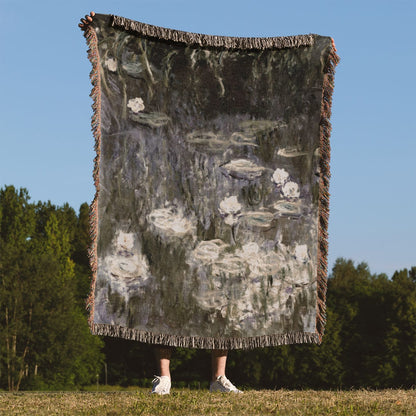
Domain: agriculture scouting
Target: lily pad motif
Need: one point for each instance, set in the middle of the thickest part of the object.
(257, 127)
(239, 138)
(134, 69)
(170, 221)
(243, 169)
(291, 152)
(150, 119)
(261, 219)
(208, 251)
(286, 208)
(208, 140)
(230, 265)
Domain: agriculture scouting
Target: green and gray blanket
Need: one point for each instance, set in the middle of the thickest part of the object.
(212, 173)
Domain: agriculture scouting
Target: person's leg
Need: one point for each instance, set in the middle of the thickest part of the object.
(162, 383)
(163, 355)
(219, 381)
(218, 363)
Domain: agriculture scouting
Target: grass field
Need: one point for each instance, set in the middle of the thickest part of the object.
(201, 402)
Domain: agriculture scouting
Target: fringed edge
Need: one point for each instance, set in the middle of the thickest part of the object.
(204, 342)
(93, 56)
(227, 42)
(325, 133)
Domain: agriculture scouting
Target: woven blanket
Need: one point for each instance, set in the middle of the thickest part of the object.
(209, 224)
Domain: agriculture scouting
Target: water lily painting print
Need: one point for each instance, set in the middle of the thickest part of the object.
(212, 173)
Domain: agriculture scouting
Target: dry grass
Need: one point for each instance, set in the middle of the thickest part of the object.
(199, 402)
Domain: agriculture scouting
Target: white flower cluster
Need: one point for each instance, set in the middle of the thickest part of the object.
(289, 189)
(230, 209)
(111, 64)
(301, 253)
(126, 262)
(136, 104)
(124, 241)
(280, 176)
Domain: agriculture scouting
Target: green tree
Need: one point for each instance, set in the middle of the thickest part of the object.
(363, 303)
(80, 243)
(44, 336)
(320, 366)
(63, 354)
(400, 365)
(17, 225)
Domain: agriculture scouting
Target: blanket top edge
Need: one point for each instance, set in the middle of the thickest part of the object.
(220, 41)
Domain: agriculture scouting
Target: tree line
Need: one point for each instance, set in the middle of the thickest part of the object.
(45, 342)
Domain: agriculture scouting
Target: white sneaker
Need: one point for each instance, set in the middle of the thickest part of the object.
(161, 385)
(223, 385)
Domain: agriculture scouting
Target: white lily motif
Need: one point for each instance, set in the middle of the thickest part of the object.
(301, 253)
(280, 176)
(230, 209)
(291, 190)
(111, 64)
(136, 104)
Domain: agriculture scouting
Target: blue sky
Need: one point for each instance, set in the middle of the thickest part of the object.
(47, 146)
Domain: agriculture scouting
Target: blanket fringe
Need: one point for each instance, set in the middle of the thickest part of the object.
(94, 57)
(325, 133)
(227, 42)
(205, 342)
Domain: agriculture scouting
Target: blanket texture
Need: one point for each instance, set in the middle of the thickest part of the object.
(209, 224)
